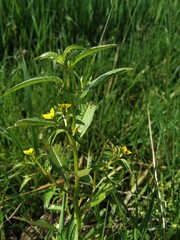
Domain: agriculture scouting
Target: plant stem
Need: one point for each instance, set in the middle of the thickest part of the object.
(76, 183)
(98, 160)
(76, 186)
(61, 220)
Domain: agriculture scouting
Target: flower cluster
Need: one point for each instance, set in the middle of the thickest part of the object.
(65, 106)
(51, 114)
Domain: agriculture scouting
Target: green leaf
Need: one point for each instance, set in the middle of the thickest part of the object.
(51, 55)
(25, 181)
(71, 48)
(55, 207)
(54, 135)
(83, 172)
(44, 224)
(60, 59)
(47, 55)
(33, 122)
(56, 162)
(54, 158)
(72, 232)
(86, 119)
(48, 195)
(125, 164)
(101, 194)
(39, 223)
(31, 82)
(87, 179)
(89, 52)
(103, 77)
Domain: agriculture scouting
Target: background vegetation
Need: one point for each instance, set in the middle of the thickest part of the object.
(147, 38)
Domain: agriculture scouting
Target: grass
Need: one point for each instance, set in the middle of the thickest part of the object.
(138, 205)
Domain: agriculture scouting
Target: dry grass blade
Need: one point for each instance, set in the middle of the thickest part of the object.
(155, 172)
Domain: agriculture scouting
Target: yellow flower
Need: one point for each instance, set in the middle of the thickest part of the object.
(29, 151)
(49, 115)
(125, 150)
(65, 105)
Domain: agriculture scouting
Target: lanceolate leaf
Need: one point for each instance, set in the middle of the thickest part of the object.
(44, 224)
(71, 48)
(40, 223)
(31, 82)
(103, 77)
(53, 156)
(33, 122)
(125, 164)
(56, 161)
(84, 172)
(47, 55)
(89, 52)
(52, 55)
(86, 119)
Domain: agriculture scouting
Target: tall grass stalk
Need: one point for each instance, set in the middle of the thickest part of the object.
(156, 174)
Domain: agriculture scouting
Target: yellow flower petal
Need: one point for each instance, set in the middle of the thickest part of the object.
(67, 105)
(29, 151)
(49, 115)
(52, 112)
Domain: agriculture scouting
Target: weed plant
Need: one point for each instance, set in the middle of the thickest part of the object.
(139, 109)
(71, 119)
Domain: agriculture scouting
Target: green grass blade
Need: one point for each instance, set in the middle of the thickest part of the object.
(72, 232)
(105, 222)
(145, 221)
(62, 215)
(15, 137)
(2, 226)
(31, 82)
(89, 52)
